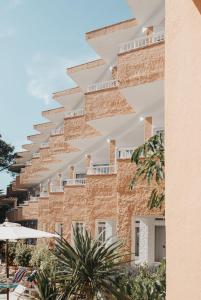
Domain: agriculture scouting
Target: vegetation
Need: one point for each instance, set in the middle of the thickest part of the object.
(150, 161)
(87, 271)
(46, 287)
(7, 155)
(42, 258)
(144, 283)
(23, 253)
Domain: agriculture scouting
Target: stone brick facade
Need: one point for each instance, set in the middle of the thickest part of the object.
(104, 197)
(141, 66)
(105, 103)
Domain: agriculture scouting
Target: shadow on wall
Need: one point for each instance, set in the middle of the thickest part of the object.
(198, 4)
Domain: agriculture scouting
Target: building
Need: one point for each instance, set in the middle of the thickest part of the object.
(183, 155)
(77, 169)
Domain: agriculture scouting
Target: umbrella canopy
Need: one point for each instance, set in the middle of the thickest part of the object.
(14, 231)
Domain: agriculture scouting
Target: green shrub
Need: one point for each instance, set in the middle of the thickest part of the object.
(11, 253)
(42, 258)
(23, 253)
(144, 283)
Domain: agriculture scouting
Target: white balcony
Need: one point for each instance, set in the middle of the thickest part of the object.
(74, 113)
(142, 42)
(44, 145)
(28, 163)
(36, 155)
(102, 85)
(56, 189)
(75, 181)
(57, 131)
(44, 194)
(124, 153)
(102, 170)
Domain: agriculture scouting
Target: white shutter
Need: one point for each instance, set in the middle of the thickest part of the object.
(110, 231)
(58, 228)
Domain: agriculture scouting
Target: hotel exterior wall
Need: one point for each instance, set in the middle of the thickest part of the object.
(141, 66)
(183, 144)
(103, 197)
(131, 203)
(76, 127)
(105, 103)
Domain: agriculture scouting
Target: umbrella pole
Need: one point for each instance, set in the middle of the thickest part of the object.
(7, 269)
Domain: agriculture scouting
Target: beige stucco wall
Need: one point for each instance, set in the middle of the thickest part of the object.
(183, 149)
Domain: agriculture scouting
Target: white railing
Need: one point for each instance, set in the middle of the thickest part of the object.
(57, 131)
(102, 170)
(29, 163)
(102, 85)
(44, 145)
(33, 199)
(56, 189)
(44, 194)
(142, 42)
(75, 181)
(124, 153)
(74, 113)
(36, 155)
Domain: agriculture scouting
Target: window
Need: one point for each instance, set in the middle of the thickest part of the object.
(81, 175)
(102, 231)
(106, 231)
(58, 228)
(137, 240)
(79, 226)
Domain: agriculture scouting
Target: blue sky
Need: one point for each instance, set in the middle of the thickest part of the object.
(38, 40)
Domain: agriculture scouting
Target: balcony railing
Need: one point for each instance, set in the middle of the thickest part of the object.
(44, 194)
(102, 170)
(36, 155)
(44, 145)
(102, 85)
(142, 42)
(33, 199)
(124, 153)
(56, 189)
(57, 131)
(74, 113)
(29, 163)
(75, 181)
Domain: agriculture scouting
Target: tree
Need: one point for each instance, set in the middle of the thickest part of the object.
(150, 161)
(87, 271)
(7, 155)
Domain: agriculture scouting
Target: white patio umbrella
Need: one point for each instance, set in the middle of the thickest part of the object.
(14, 231)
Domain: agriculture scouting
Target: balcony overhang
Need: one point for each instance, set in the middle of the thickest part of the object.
(88, 73)
(148, 12)
(54, 115)
(69, 98)
(31, 147)
(105, 41)
(44, 127)
(142, 97)
(38, 138)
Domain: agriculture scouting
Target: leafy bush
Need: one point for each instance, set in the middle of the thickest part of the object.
(11, 253)
(23, 253)
(42, 258)
(144, 283)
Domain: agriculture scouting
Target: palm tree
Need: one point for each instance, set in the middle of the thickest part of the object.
(150, 161)
(87, 270)
(46, 287)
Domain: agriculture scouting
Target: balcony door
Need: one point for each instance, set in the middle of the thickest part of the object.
(160, 243)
